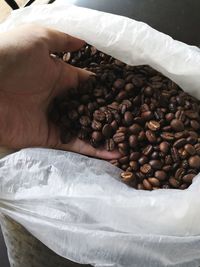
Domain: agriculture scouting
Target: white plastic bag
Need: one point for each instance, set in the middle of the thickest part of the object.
(76, 205)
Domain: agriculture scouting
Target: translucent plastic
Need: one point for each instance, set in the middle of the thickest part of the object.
(76, 205)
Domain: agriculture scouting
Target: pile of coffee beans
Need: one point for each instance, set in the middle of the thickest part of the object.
(153, 123)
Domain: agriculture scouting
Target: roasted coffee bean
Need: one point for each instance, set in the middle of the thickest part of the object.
(156, 164)
(146, 168)
(195, 125)
(164, 147)
(191, 114)
(142, 160)
(124, 160)
(167, 168)
(127, 177)
(133, 140)
(85, 121)
(135, 155)
(154, 181)
(160, 175)
(188, 178)
(119, 84)
(97, 136)
(134, 165)
(169, 116)
(141, 136)
(99, 115)
(151, 137)
(114, 125)
(175, 155)
(147, 185)
(135, 128)
(177, 125)
(180, 135)
(197, 148)
(174, 183)
(147, 115)
(119, 137)
(180, 143)
(194, 162)
(190, 149)
(110, 145)
(167, 136)
(153, 125)
(96, 125)
(147, 150)
(155, 155)
(107, 130)
(128, 117)
(129, 87)
(179, 173)
(192, 140)
(183, 186)
(148, 91)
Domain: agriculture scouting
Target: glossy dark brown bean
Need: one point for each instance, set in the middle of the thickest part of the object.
(153, 125)
(127, 177)
(180, 143)
(119, 137)
(128, 117)
(194, 162)
(164, 147)
(188, 178)
(156, 164)
(146, 168)
(147, 185)
(133, 140)
(135, 128)
(151, 137)
(190, 149)
(160, 175)
(177, 125)
(154, 181)
(107, 130)
(110, 144)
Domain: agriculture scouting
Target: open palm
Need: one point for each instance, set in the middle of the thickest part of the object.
(29, 79)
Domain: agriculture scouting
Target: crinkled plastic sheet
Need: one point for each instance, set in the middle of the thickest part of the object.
(128, 40)
(76, 205)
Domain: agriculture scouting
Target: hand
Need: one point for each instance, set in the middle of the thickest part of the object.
(29, 79)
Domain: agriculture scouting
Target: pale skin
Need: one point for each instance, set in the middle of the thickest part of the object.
(29, 79)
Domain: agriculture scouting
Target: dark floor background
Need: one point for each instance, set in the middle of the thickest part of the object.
(178, 18)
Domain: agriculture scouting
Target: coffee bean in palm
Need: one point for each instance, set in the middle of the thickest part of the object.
(99, 115)
(119, 137)
(97, 136)
(107, 130)
(110, 144)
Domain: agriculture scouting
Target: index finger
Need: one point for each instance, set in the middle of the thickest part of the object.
(61, 42)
